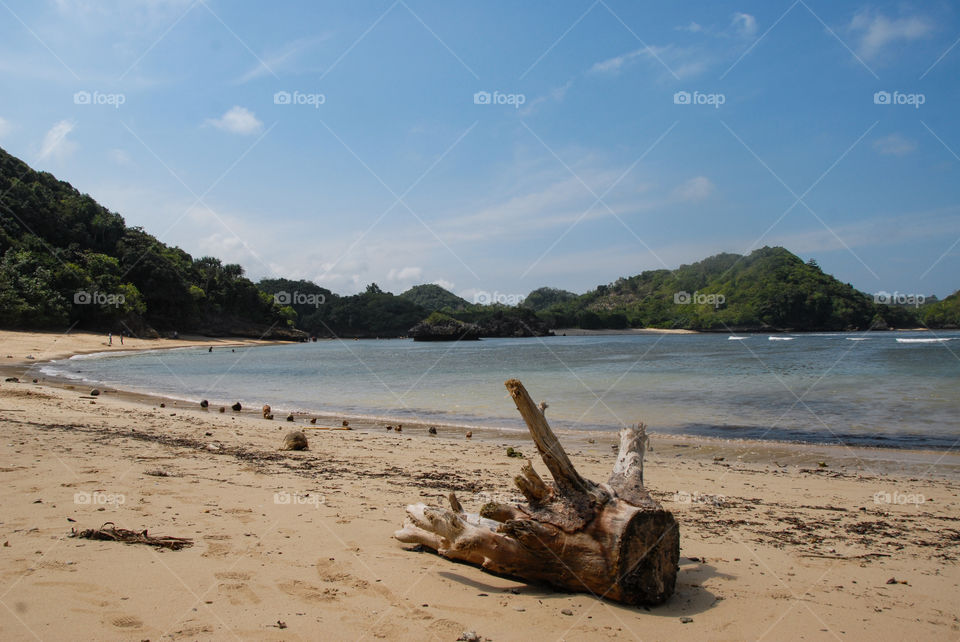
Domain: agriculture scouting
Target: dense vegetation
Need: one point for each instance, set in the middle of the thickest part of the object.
(433, 297)
(66, 261)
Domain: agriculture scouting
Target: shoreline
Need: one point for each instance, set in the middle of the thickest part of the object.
(848, 459)
(289, 545)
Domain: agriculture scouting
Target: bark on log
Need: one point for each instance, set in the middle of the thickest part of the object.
(612, 540)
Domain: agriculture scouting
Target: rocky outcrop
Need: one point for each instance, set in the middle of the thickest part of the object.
(445, 329)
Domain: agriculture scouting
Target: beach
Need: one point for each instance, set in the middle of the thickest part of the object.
(777, 541)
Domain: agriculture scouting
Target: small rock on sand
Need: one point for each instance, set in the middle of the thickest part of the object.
(289, 417)
(294, 440)
(94, 392)
(204, 403)
(237, 407)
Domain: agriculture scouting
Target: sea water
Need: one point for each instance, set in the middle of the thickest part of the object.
(818, 388)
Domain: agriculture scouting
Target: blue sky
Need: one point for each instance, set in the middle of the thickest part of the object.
(618, 136)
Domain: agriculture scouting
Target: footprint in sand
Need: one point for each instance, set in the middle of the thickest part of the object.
(308, 592)
(245, 515)
(332, 571)
(232, 575)
(126, 622)
(238, 593)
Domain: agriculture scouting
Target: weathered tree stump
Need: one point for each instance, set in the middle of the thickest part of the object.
(612, 540)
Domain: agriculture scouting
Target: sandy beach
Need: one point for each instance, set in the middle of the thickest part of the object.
(299, 545)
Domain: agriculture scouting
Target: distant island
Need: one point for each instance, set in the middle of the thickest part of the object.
(66, 261)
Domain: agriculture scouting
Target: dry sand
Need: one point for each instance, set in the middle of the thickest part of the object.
(303, 540)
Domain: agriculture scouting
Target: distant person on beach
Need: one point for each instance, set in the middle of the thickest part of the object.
(121, 338)
(210, 349)
(109, 338)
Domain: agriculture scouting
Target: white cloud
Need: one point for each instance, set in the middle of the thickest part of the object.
(55, 142)
(745, 24)
(695, 189)
(693, 27)
(237, 120)
(272, 63)
(404, 274)
(877, 31)
(443, 283)
(119, 156)
(894, 145)
(557, 94)
(5, 127)
(614, 65)
(684, 62)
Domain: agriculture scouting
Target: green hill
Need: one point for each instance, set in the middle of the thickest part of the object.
(770, 288)
(543, 298)
(433, 298)
(67, 261)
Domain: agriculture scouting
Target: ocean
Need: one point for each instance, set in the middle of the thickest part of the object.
(896, 390)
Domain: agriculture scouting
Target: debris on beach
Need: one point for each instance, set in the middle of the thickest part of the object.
(237, 407)
(432, 430)
(12, 380)
(290, 417)
(469, 434)
(204, 404)
(613, 539)
(95, 392)
(294, 440)
(110, 532)
(266, 409)
(513, 452)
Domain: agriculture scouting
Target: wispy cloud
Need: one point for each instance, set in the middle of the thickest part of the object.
(695, 189)
(876, 31)
(237, 120)
(894, 145)
(685, 62)
(693, 27)
(279, 61)
(556, 95)
(744, 24)
(55, 143)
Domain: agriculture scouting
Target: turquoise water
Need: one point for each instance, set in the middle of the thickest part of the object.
(863, 389)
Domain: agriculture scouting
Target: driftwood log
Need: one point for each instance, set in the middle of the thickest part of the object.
(612, 540)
